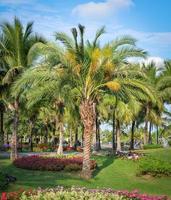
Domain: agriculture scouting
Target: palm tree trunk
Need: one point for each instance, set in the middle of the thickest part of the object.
(1, 127)
(157, 134)
(132, 135)
(14, 153)
(60, 148)
(70, 137)
(76, 138)
(98, 144)
(46, 134)
(118, 133)
(31, 135)
(95, 129)
(146, 126)
(87, 117)
(149, 134)
(113, 134)
(145, 132)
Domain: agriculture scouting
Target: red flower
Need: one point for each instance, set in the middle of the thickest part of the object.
(4, 196)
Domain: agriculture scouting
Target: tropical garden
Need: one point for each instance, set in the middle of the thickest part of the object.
(56, 100)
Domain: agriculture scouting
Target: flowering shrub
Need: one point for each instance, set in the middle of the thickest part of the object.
(17, 194)
(60, 193)
(49, 163)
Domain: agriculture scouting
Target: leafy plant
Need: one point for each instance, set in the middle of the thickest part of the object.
(153, 166)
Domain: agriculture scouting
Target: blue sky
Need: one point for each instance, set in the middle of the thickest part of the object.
(146, 20)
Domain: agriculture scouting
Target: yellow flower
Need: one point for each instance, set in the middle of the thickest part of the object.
(107, 51)
(113, 85)
(96, 54)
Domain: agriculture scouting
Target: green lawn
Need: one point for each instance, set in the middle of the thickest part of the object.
(112, 173)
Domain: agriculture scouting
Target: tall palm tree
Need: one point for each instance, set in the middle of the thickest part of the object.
(153, 110)
(85, 70)
(92, 69)
(15, 45)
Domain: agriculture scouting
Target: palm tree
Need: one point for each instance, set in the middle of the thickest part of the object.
(90, 70)
(86, 70)
(15, 45)
(2, 109)
(153, 110)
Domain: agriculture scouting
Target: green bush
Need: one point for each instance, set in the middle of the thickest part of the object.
(153, 166)
(152, 146)
(169, 142)
(3, 182)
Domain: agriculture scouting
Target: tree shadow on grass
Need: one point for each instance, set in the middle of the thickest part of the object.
(105, 161)
(45, 179)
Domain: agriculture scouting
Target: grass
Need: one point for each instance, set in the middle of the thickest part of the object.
(112, 173)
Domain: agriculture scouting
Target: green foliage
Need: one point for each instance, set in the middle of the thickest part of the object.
(154, 166)
(152, 146)
(3, 182)
(169, 142)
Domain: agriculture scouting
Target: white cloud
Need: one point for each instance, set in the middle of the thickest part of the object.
(100, 9)
(158, 61)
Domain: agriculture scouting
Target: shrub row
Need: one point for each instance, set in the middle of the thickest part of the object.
(153, 166)
(152, 146)
(60, 193)
(50, 163)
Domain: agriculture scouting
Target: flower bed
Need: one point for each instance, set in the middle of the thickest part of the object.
(60, 193)
(50, 163)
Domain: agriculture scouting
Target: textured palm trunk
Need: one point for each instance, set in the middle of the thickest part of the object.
(14, 152)
(118, 133)
(87, 117)
(132, 135)
(1, 127)
(60, 148)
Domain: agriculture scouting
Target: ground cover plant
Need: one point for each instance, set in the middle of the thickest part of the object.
(61, 193)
